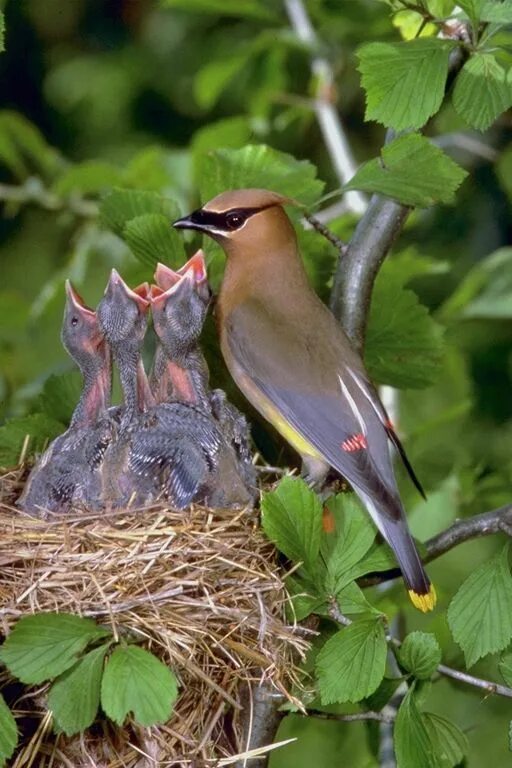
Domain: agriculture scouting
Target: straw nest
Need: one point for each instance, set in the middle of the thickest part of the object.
(202, 590)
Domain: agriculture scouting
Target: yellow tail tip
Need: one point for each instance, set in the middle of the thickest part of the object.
(424, 602)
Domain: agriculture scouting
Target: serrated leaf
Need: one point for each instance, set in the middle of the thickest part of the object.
(404, 345)
(497, 11)
(237, 8)
(39, 427)
(74, 697)
(480, 614)
(481, 91)
(412, 171)
(505, 667)
(304, 598)
(404, 82)
(122, 205)
(45, 645)
(291, 516)
(486, 290)
(258, 165)
(90, 177)
(8, 732)
(420, 654)
(412, 741)
(354, 535)
(351, 601)
(136, 681)
(449, 743)
(151, 239)
(383, 694)
(351, 664)
(60, 395)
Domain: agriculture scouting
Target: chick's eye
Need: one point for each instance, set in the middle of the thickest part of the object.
(234, 220)
(74, 321)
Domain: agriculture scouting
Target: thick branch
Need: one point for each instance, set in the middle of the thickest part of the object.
(261, 718)
(353, 283)
(328, 119)
(496, 521)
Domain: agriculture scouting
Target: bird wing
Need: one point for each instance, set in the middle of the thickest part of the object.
(296, 376)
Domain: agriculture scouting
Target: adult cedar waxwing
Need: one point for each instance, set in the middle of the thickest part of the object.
(294, 363)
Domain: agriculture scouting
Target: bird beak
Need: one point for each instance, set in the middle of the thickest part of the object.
(198, 266)
(165, 276)
(76, 302)
(117, 286)
(192, 221)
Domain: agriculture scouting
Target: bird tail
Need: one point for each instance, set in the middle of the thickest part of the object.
(396, 532)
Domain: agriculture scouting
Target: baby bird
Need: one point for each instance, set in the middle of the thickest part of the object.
(122, 317)
(66, 472)
(179, 304)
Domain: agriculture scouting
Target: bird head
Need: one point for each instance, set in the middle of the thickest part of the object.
(165, 277)
(80, 334)
(241, 219)
(122, 311)
(179, 312)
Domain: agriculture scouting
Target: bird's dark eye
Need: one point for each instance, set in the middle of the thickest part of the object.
(74, 320)
(234, 220)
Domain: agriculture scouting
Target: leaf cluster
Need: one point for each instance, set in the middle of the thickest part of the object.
(87, 668)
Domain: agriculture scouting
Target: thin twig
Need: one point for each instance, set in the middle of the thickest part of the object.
(380, 717)
(33, 190)
(455, 674)
(328, 119)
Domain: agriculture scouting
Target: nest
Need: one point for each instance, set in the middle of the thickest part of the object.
(201, 589)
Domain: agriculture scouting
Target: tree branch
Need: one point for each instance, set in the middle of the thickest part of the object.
(380, 717)
(497, 521)
(34, 191)
(353, 283)
(328, 119)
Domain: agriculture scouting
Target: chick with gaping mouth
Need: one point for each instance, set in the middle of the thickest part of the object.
(67, 473)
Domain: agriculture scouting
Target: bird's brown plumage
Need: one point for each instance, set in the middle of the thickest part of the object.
(292, 360)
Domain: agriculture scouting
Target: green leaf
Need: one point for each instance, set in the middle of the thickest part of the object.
(404, 82)
(257, 165)
(355, 534)
(304, 598)
(412, 741)
(60, 395)
(383, 694)
(136, 681)
(292, 519)
(450, 744)
(351, 664)
(480, 614)
(505, 666)
(473, 9)
(39, 427)
(237, 8)
(151, 239)
(90, 177)
(8, 732)
(351, 601)
(74, 697)
(122, 205)
(486, 290)
(411, 170)
(214, 77)
(481, 91)
(2, 48)
(404, 345)
(497, 12)
(20, 140)
(420, 654)
(44, 645)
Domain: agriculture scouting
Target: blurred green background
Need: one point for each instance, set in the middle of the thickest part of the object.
(136, 93)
